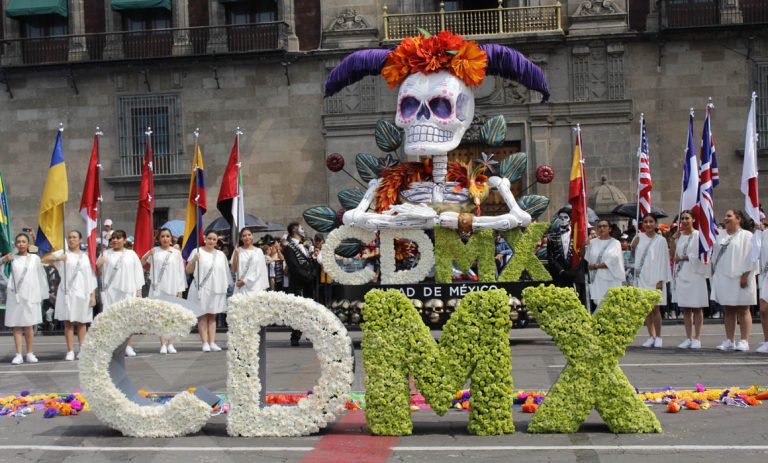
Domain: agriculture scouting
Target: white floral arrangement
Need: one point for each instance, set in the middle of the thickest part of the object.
(182, 415)
(333, 269)
(415, 275)
(247, 314)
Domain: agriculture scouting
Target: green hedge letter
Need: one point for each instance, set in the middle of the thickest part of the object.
(525, 258)
(592, 347)
(474, 344)
(449, 248)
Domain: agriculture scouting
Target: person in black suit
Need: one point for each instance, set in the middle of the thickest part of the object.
(302, 269)
(560, 257)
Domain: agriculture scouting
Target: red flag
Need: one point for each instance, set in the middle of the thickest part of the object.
(230, 200)
(142, 236)
(577, 198)
(90, 203)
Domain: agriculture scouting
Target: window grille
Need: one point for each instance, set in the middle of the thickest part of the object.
(761, 108)
(616, 76)
(163, 114)
(581, 77)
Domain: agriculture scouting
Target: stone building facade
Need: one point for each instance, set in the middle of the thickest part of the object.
(260, 65)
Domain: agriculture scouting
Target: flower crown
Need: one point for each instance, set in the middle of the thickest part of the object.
(428, 53)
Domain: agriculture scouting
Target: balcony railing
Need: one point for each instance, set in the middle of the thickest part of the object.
(159, 43)
(473, 23)
(680, 14)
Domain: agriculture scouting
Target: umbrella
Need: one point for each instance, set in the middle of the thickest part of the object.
(176, 227)
(221, 225)
(591, 215)
(630, 210)
(274, 226)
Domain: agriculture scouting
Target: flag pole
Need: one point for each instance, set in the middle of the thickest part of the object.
(235, 229)
(64, 232)
(99, 202)
(637, 192)
(197, 207)
(151, 188)
(582, 166)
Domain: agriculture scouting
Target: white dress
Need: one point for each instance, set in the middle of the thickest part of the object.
(122, 277)
(166, 273)
(607, 252)
(653, 255)
(27, 288)
(210, 291)
(73, 299)
(730, 260)
(252, 269)
(763, 278)
(690, 280)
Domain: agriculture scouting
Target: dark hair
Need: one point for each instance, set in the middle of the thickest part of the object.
(602, 220)
(209, 232)
(119, 234)
(159, 232)
(269, 240)
(648, 214)
(243, 231)
(292, 227)
(745, 221)
(685, 211)
(79, 235)
(319, 237)
(20, 235)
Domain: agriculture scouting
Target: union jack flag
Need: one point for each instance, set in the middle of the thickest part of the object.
(644, 183)
(709, 178)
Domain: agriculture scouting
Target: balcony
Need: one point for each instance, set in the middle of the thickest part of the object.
(475, 23)
(683, 14)
(132, 45)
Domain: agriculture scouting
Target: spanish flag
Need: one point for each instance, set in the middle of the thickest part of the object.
(577, 198)
(196, 206)
(50, 232)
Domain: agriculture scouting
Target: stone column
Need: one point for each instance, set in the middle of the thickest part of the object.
(12, 53)
(181, 42)
(217, 34)
(77, 46)
(285, 13)
(113, 46)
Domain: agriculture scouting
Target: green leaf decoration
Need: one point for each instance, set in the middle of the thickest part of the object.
(425, 32)
(349, 247)
(513, 166)
(494, 130)
(533, 204)
(367, 166)
(388, 136)
(350, 197)
(321, 218)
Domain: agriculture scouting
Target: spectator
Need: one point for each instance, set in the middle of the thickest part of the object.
(106, 234)
(302, 267)
(503, 252)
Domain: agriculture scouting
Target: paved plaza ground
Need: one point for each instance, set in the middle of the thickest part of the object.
(736, 434)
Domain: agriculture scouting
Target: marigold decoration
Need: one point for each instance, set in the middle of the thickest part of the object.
(673, 407)
(395, 179)
(427, 53)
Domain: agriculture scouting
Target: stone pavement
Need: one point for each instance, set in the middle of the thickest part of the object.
(718, 433)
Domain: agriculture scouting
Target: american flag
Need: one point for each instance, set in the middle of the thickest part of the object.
(708, 180)
(644, 183)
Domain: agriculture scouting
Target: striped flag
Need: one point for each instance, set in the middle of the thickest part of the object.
(230, 200)
(705, 209)
(577, 198)
(749, 177)
(644, 183)
(196, 206)
(89, 204)
(690, 192)
(50, 232)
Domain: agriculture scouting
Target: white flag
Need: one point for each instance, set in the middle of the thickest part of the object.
(749, 177)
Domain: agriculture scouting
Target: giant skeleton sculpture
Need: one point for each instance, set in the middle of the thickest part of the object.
(435, 107)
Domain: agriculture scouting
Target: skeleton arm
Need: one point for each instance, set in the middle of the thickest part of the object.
(398, 216)
(516, 217)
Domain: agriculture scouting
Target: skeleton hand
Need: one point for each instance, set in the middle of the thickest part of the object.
(408, 216)
(516, 217)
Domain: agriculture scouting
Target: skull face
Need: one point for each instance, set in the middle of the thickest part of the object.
(434, 110)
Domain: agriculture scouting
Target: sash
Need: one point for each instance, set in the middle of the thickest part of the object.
(639, 269)
(247, 266)
(208, 274)
(71, 281)
(679, 265)
(19, 282)
(723, 249)
(162, 271)
(599, 261)
(115, 269)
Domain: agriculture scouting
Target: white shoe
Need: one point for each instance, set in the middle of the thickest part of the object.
(129, 352)
(695, 344)
(215, 347)
(206, 347)
(78, 354)
(685, 344)
(649, 342)
(763, 349)
(70, 356)
(726, 345)
(171, 349)
(163, 349)
(17, 360)
(657, 342)
(31, 357)
(742, 346)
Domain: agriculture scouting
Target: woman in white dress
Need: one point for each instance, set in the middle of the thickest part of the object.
(733, 279)
(76, 295)
(606, 263)
(27, 288)
(212, 277)
(122, 275)
(166, 275)
(763, 287)
(250, 266)
(651, 253)
(690, 281)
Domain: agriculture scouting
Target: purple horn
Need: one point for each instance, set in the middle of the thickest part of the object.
(354, 67)
(511, 64)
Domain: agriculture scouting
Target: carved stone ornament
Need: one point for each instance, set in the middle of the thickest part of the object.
(597, 8)
(348, 20)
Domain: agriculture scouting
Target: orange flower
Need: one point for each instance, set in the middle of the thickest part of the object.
(429, 57)
(469, 64)
(395, 69)
(450, 41)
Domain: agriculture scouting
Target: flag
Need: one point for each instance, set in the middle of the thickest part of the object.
(705, 208)
(690, 192)
(50, 231)
(230, 200)
(577, 198)
(196, 206)
(749, 177)
(89, 204)
(6, 236)
(143, 238)
(644, 183)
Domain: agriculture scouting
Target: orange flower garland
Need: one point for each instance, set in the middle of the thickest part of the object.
(427, 53)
